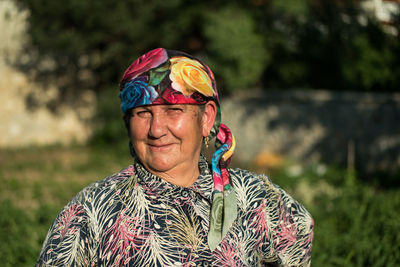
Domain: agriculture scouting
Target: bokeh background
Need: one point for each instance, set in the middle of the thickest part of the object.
(310, 88)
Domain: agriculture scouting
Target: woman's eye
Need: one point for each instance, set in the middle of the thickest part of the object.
(144, 114)
(175, 110)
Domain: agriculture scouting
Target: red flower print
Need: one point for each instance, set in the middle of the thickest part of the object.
(171, 96)
(146, 62)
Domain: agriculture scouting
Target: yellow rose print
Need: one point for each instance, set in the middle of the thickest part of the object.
(188, 75)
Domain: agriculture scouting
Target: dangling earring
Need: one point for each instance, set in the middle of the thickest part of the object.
(206, 142)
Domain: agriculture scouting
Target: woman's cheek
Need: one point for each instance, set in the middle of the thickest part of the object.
(139, 128)
(178, 123)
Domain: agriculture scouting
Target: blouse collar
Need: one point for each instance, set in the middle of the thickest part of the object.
(158, 186)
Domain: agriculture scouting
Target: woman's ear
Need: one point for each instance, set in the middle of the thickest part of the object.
(210, 112)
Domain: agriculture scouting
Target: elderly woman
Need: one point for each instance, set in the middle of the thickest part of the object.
(171, 207)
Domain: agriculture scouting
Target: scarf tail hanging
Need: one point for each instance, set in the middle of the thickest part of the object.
(224, 206)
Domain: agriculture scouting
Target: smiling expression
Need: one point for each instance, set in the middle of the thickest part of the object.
(167, 139)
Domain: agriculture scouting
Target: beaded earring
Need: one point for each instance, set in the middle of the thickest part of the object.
(206, 142)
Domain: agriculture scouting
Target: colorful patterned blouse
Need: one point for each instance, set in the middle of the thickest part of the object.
(134, 218)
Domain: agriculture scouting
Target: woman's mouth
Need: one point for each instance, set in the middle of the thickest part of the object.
(160, 147)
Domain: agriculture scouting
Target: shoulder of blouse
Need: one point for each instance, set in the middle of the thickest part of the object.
(104, 187)
(289, 223)
(251, 187)
(247, 178)
(75, 222)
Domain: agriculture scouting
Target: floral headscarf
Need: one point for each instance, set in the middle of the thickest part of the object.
(171, 77)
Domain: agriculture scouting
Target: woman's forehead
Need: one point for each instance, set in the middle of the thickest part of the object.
(166, 106)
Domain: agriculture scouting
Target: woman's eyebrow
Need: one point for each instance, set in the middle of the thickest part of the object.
(176, 106)
(144, 108)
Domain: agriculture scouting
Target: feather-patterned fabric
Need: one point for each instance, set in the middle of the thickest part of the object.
(134, 218)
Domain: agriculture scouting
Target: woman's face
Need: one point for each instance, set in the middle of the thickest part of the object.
(167, 139)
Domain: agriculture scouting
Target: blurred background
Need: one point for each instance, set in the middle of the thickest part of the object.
(310, 89)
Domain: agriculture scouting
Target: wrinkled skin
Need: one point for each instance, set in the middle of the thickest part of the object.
(167, 139)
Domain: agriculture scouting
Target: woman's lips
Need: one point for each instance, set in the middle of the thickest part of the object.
(160, 147)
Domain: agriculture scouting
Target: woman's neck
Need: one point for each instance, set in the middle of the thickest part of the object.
(183, 176)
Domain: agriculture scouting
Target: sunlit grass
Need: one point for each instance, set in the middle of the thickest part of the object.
(54, 174)
(355, 223)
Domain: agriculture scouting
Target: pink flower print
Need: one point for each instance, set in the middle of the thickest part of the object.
(227, 255)
(150, 60)
(259, 219)
(68, 217)
(125, 234)
(128, 171)
(287, 233)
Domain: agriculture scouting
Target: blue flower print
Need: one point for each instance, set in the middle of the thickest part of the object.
(137, 93)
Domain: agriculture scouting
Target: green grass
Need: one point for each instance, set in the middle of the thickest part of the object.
(356, 224)
(35, 184)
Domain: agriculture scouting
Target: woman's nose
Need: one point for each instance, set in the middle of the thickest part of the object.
(158, 125)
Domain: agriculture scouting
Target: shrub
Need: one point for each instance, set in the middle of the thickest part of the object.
(359, 227)
(17, 236)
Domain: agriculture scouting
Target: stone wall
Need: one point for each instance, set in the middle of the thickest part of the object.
(270, 127)
(20, 125)
(308, 126)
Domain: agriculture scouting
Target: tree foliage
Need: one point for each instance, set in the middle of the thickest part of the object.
(270, 44)
(236, 50)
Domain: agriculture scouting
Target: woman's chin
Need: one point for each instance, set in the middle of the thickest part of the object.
(160, 165)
